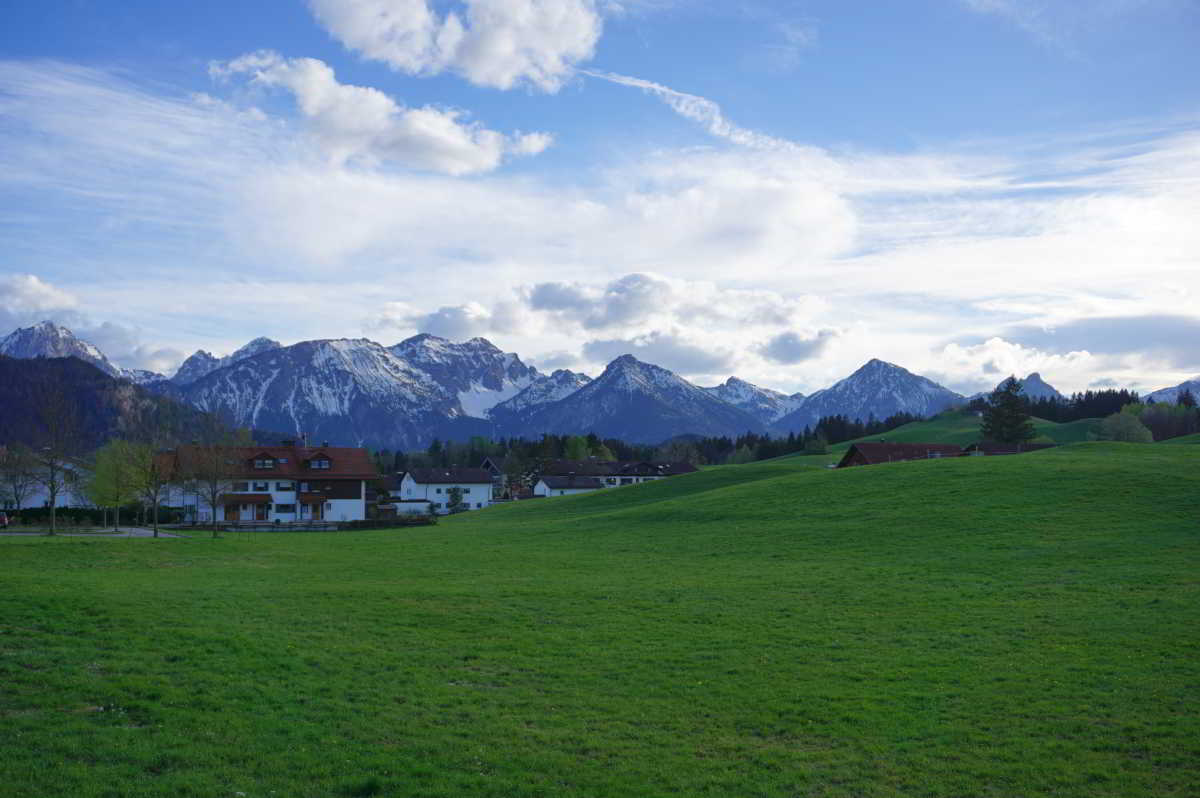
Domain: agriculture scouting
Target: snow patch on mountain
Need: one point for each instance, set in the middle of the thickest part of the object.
(1171, 395)
(480, 375)
(202, 363)
(764, 403)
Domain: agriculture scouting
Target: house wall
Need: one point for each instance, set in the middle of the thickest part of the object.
(334, 509)
(476, 495)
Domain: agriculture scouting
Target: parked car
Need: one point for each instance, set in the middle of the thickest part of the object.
(3, 520)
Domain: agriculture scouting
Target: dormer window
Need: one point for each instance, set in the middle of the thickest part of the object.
(264, 462)
(320, 462)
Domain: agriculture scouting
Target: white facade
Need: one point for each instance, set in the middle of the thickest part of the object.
(475, 495)
(266, 500)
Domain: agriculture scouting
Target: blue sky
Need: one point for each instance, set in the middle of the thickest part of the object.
(777, 190)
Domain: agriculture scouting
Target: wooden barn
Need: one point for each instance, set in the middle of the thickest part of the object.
(884, 452)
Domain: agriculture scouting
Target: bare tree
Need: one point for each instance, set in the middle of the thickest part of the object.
(16, 474)
(211, 463)
(151, 471)
(57, 432)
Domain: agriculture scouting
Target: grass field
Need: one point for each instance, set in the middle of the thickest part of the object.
(1009, 626)
(1184, 439)
(963, 429)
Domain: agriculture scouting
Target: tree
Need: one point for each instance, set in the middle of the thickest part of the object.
(454, 499)
(1125, 427)
(816, 445)
(57, 430)
(679, 451)
(151, 473)
(16, 475)
(112, 480)
(1186, 398)
(577, 448)
(1006, 417)
(211, 463)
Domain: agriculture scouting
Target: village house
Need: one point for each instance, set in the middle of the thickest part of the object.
(566, 486)
(874, 453)
(614, 474)
(286, 483)
(434, 485)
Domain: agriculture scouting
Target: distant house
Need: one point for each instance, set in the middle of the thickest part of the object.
(885, 452)
(434, 485)
(615, 473)
(285, 483)
(991, 448)
(566, 486)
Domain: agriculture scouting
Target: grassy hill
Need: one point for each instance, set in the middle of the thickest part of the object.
(968, 627)
(1184, 439)
(963, 429)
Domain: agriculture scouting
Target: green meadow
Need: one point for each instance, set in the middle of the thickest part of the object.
(1008, 626)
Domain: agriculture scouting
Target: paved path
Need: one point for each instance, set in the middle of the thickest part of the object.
(122, 532)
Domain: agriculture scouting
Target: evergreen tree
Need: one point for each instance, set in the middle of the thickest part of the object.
(1185, 398)
(1006, 418)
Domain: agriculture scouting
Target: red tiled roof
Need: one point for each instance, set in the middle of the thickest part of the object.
(344, 462)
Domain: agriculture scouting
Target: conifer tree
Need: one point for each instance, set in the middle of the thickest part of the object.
(1006, 418)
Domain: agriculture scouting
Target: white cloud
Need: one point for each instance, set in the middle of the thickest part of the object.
(749, 241)
(494, 43)
(361, 122)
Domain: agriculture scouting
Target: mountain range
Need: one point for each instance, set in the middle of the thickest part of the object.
(356, 391)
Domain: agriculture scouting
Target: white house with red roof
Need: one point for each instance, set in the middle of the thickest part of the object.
(284, 483)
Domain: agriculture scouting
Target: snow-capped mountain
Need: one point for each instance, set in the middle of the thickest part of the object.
(202, 363)
(765, 404)
(544, 389)
(1033, 386)
(877, 389)
(351, 391)
(47, 339)
(476, 371)
(1171, 395)
(643, 403)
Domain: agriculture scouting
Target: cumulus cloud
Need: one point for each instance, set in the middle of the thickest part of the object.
(455, 322)
(790, 347)
(494, 43)
(667, 349)
(640, 299)
(361, 122)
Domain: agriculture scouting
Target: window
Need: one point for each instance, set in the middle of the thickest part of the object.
(437, 490)
(304, 487)
(438, 505)
(285, 486)
(241, 487)
(262, 485)
(285, 508)
(321, 463)
(264, 462)
(466, 491)
(282, 461)
(478, 505)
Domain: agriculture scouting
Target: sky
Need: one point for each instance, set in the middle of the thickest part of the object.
(778, 190)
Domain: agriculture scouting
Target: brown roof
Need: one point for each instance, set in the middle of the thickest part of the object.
(448, 476)
(345, 462)
(873, 453)
(615, 468)
(576, 482)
